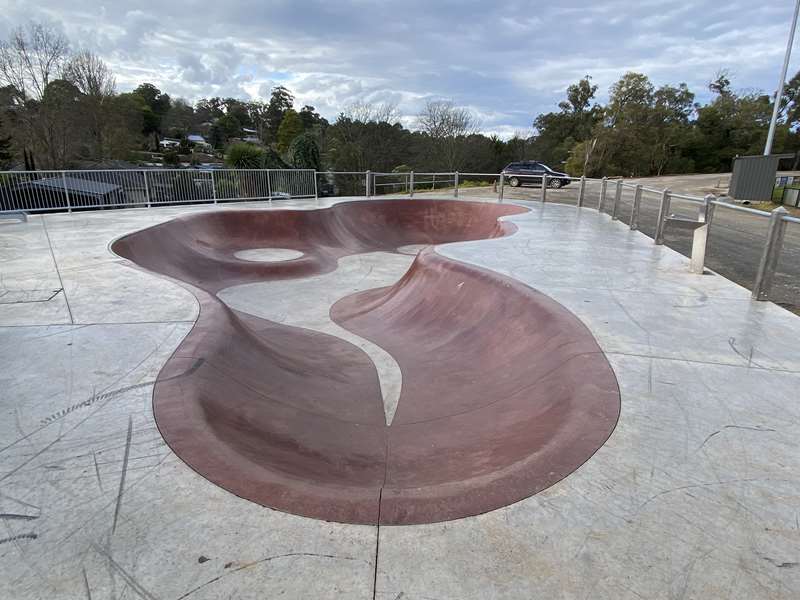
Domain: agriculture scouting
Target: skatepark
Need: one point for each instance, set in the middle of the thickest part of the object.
(407, 398)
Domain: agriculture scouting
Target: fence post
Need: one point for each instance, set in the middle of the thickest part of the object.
(544, 188)
(455, 189)
(146, 188)
(581, 191)
(707, 211)
(637, 201)
(269, 187)
(769, 257)
(602, 203)
(663, 211)
(411, 183)
(66, 191)
(316, 192)
(214, 186)
(502, 184)
(617, 198)
(367, 190)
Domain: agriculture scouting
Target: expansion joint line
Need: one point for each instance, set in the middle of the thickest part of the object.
(58, 272)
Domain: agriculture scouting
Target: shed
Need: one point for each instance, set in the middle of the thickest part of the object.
(754, 177)
(60, 192)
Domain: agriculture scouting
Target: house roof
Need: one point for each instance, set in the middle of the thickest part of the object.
(76, 185)
(195, 138)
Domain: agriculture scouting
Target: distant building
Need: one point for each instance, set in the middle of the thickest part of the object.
(168, 143)
(198, 141)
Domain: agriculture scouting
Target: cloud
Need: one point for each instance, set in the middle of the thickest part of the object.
(507, 60)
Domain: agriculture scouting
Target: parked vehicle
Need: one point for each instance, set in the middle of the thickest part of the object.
(531, 172)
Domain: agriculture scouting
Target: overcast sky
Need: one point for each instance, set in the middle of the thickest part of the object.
(507, 61)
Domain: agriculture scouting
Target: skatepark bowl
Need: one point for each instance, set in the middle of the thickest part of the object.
(448, 392)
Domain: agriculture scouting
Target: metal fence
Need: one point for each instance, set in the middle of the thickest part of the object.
(37, 191)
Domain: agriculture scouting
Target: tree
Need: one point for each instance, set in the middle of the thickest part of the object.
(31, 58)
(311, 118)
(304, 152)
(87, 72)
(447, 125)
(291, 127)
(158, 105)
(59, 132)
(558, 132)
(227, 126)
(95, 81)
(280, 101)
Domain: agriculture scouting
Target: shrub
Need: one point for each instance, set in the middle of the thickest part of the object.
(242, 155)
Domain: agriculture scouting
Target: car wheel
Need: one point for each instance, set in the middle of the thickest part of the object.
(556, 183)
(514, 182)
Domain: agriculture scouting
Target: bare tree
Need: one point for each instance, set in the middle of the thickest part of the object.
(448, 126)
(95, 81)
(368, 112)
(87, 71)
(32, 57)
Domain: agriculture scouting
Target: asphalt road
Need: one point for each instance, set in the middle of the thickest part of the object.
(736, 239)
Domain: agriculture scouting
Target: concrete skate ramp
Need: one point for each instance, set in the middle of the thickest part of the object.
(504, 392)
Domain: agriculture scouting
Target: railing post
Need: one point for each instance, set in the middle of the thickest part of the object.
(544, 188)
(770, 255)
(411, 183)
(699, 243)
(146, 189)
(269, 187)
(581, 191)
(707, 210)
(617, 198)
(603, 187)
(637, 201)
(66, 191)
(455, 189)
(663, 211)
(502, 185)
(367, 190)
(700, 236)
(316, 192)
(214, 186)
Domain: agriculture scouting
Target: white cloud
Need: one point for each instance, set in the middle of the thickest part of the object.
(507, 60)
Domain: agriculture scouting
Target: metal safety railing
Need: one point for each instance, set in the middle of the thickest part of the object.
(24, 192)
(39, 191)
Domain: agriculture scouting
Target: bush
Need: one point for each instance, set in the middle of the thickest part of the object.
(171, 158)
(242, 155)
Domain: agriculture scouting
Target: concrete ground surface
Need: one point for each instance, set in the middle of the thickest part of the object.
(695, 495)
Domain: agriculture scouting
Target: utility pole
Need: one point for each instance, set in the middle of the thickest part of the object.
(781, 83)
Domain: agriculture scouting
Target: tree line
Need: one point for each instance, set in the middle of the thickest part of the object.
(59, 109)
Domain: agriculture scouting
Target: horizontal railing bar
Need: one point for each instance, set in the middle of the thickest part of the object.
(744, 209)
(685, 197)
(341, 172)
(791, 219)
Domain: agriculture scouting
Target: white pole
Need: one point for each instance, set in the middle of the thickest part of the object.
(779, 93)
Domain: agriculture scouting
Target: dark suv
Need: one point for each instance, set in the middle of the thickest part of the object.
(531, 171)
